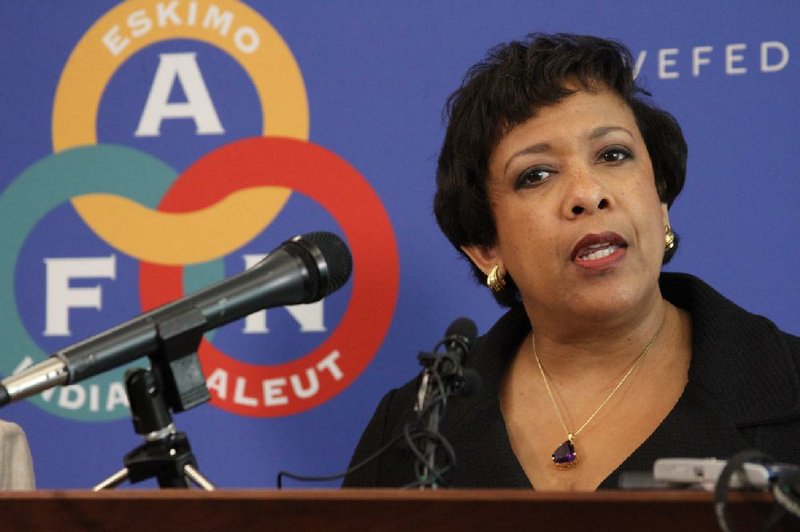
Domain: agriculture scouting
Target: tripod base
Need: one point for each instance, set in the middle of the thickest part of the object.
(122, 475)
(168, 459)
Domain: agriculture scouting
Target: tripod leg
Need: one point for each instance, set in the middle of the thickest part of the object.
(113, 481)
(198, 478)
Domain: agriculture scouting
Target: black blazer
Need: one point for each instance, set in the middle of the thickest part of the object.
(743, 393)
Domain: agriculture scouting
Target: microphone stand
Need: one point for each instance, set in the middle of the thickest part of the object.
(174, 381)
(440, 380)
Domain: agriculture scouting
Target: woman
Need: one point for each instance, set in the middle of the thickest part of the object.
(555, 180)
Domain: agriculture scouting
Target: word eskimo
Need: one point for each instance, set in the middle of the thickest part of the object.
(166, 14)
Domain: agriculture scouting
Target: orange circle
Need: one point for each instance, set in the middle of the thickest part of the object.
(136, 24)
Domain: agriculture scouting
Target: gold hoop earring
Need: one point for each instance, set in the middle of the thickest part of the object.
(669, 238)
(496, 279)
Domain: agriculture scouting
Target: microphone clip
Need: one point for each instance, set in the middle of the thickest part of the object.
(175, 360)
(443, 369)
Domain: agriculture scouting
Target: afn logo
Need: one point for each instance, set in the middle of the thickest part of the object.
(180, 157)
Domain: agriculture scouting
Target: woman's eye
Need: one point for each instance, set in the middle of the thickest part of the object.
(533, 176)
(615, 155)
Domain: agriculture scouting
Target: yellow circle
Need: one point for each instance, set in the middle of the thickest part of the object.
(133, 25)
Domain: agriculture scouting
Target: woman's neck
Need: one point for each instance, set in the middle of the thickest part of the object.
(575, 348)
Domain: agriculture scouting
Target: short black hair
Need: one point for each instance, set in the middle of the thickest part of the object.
(506, 89)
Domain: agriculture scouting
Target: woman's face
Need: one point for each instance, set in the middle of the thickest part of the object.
(580, 227)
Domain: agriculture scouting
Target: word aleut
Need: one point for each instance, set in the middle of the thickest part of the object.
(277, 391)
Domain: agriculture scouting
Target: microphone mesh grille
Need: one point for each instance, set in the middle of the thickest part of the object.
(337, 257)
(463, 327)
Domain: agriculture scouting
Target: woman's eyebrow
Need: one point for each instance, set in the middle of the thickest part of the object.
(541, 147)
(605, 130)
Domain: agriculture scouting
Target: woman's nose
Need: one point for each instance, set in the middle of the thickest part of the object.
(585, 195)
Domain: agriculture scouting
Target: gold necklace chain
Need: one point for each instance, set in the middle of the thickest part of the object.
(565, 456)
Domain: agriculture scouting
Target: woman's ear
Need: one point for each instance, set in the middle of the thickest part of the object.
(665, 214)
(484, 257)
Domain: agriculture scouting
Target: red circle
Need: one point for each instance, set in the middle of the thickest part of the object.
(340, 189)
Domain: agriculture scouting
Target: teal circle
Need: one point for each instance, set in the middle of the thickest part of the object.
(38, 190)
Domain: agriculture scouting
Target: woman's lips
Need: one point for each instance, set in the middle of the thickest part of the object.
(599, 251)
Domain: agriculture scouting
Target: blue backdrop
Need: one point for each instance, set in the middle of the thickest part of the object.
(362, 83)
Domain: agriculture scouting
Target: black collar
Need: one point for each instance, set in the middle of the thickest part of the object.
(742, 361)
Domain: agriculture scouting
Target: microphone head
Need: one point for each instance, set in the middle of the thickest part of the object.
(327, 260)
(463, 329)
(459, 338)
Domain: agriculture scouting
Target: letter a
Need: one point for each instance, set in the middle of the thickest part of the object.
(198, 106)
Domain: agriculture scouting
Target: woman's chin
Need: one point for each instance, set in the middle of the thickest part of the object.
(610, 304)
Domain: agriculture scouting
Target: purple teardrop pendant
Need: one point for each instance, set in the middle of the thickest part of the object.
(565, 456)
